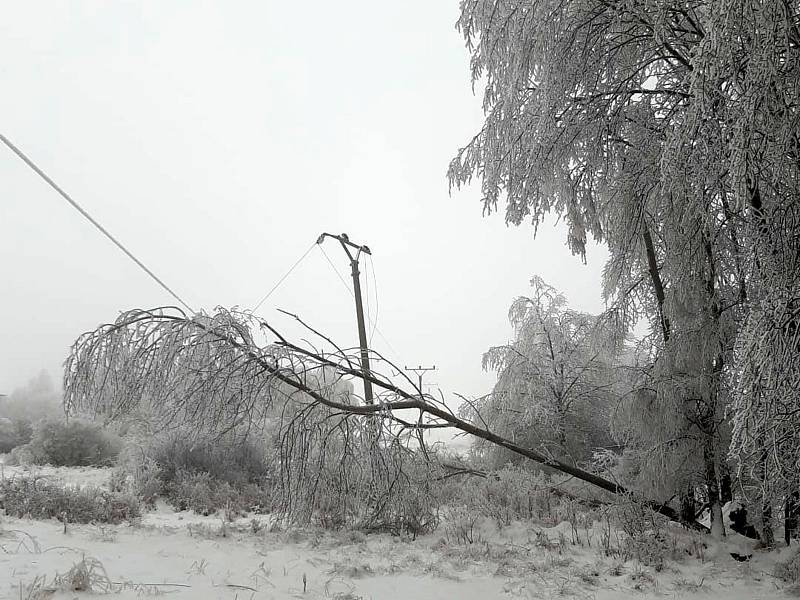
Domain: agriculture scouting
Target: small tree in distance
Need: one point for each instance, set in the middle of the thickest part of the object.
(554, 380)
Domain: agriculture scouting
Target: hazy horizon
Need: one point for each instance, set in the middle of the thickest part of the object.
(217, 144)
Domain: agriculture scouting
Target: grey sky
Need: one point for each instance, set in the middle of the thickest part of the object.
(218, 140)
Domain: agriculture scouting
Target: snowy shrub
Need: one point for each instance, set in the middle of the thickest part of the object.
(463, 526)
(23, 455)
(206, 495)
(39, 499)
(788, 571)
(234, 461)
(517, 494)
(73, 443)
(204, 476)
(14, 433)
(645, 536)
(513, 494)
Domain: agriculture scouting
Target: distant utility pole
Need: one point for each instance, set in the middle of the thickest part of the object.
(420, 371)
(347, 245)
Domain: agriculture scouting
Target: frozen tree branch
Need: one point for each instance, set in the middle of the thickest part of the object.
(209, 372)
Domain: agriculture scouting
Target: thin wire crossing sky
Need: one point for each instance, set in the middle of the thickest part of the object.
(217, 141)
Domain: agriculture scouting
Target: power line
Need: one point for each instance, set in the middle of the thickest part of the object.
(366, 298)
(333, 266)
(347, 287)
(375, 290)
(89, 218)
(280, 281)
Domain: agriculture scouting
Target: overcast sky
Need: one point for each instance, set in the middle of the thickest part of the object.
(218, 140)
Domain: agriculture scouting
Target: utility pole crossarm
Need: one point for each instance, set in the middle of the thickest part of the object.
(420, 371)
(344, 240)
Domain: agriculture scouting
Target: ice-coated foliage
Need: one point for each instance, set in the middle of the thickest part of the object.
(766, 407)
(554, 388)
(213, 378)
(73, 443)
(669, 131)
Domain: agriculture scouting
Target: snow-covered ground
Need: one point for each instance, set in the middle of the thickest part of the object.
(68, 476)
(190, 556)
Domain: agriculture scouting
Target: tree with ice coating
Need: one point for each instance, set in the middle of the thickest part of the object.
(668, 131)
(554, 379)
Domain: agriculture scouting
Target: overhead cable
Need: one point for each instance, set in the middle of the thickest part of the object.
(350, 291)
(281, 280)
(91, 219)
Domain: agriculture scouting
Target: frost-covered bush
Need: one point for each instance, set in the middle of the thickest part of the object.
(137, 473)
(788, 570)
(205, 495)
(73, 443)
(514, 494)
(200, 475)
(511, 494)
(234, 461)
(645, 535)
(14, 433)
(41, 499)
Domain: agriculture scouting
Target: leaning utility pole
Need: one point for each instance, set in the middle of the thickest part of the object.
(362, 331)
(420, 371)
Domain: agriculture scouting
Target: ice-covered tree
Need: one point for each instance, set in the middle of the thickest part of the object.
(554, 379)
(667, 130)
(766, 407)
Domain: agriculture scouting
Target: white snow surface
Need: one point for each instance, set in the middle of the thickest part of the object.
(188, 556)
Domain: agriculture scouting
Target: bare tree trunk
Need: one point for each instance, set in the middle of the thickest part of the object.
(712, 487)
(725, 485)
(791, 514)
(709, 424)
(767, 534)
(655, 279)
(688, 504)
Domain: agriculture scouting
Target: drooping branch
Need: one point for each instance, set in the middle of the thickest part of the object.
(208, 371)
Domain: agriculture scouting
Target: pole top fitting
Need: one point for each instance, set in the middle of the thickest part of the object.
(344, 240)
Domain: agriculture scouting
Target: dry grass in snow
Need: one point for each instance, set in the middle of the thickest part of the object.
(184, 555)
(97, 477)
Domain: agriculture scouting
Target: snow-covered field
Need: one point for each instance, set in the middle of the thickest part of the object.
(71, 476)
(189, 556)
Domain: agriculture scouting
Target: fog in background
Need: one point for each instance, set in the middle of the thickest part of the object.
(218, 140)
